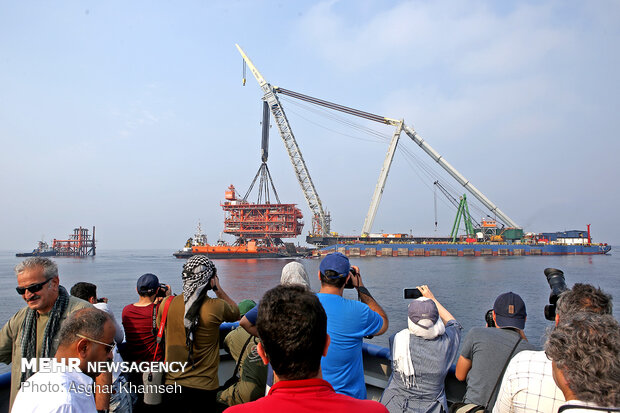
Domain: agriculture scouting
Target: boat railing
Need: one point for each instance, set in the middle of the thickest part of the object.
(377, 371)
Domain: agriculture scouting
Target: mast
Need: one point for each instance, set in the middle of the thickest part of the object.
(376, 197)
(294, 153)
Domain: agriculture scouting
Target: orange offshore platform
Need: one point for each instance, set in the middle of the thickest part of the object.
(259, 226)
(259, 229)
(79, 244)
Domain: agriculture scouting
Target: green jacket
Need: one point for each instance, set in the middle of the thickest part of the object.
(252, 371)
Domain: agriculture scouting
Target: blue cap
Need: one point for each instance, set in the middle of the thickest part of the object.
(148, 283)
(510, 311)
(336, 262)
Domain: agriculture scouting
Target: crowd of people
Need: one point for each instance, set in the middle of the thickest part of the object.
(297, 350)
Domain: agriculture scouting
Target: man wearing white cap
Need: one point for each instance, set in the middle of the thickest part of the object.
(422, 354)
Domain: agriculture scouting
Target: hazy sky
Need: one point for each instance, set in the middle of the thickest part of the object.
(131, 116)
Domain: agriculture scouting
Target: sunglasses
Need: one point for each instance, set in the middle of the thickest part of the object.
(109, 346)
(32, 288)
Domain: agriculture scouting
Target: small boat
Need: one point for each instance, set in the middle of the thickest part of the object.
(42, 250)
(250, 249)
(198, 245)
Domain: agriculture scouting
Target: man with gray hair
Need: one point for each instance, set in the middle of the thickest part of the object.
(585, 353)
(87, 336)
(528, 385)
(33, 331)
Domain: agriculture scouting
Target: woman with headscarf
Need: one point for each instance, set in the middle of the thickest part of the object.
(293, 273)
(192, 335)
(422, 354)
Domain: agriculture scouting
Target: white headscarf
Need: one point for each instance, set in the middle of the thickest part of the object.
(295, 273)
(402, 354)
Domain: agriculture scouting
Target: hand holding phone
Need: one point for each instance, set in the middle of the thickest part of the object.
(411, 293)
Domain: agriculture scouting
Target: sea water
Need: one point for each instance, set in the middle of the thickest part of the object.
(466, 286)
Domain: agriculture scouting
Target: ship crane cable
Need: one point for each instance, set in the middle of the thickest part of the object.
(379, 137)
(425, 172)
(263, 170)
(387, 163)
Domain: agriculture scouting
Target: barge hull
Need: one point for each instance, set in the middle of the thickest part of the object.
(233, 255)
(461, 250)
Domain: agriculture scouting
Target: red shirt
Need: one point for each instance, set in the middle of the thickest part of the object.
(140, 341)
(310, 395)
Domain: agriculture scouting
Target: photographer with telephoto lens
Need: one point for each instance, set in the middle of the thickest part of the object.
(528, 384)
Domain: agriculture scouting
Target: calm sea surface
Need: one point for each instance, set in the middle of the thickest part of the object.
(466, 286)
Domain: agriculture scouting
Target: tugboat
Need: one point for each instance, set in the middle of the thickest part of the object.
(42, 250)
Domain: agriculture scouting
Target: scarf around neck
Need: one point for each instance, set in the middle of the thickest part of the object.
(401, 356)
(29, 330)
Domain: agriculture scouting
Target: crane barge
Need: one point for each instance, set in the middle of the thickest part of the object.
(497, 233)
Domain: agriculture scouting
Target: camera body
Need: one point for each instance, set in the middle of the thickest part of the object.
(354, 273)
(488, 317)
(557, 283)
(161, 292)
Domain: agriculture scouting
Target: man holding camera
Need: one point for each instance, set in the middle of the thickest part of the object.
(486, 351)
(528, 384)
(292, 326)
(140, 323)
(348, 322)
(192, 335)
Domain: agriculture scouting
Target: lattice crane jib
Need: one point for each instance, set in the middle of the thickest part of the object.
(292, 148)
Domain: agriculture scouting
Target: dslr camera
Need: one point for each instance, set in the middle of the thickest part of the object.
(161, 292)
(349, 283)
(557, 283)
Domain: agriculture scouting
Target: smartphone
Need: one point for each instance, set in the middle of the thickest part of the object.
(411, 293)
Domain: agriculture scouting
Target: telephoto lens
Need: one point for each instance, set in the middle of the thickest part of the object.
(557, 283)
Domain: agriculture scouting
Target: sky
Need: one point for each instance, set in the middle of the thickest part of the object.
(132, 116)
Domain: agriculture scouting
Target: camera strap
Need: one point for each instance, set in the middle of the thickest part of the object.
(499, 379)
(155, 309)
(162, 325)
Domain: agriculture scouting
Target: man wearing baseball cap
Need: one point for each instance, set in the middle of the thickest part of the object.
(348, 322)
(139, 322)
(486, 351)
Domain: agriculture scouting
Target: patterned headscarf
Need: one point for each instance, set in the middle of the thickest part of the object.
(197, 274)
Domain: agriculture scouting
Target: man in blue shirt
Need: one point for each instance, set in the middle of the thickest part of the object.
(348, 321)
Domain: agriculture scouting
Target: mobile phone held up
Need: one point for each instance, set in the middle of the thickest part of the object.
(411, 293)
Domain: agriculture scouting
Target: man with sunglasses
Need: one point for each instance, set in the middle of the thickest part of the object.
(86, 337)
(33, 331)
